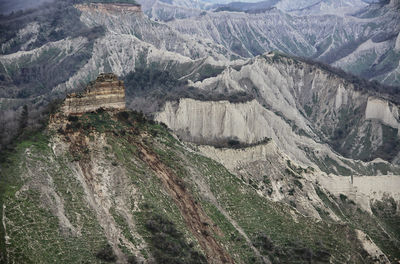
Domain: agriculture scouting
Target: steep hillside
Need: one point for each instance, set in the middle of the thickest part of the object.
(321, 7)
(299, 105)
(166, 10)
(296, 7)
(361, 43)
(113, 187)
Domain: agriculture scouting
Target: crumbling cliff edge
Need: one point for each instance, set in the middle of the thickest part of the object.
(105, 92)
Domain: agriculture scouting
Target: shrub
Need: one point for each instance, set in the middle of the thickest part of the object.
(233, 143)
(263, 242)
(132, 260)
(100, 110)
(106, 254)
(266, 180)
(168, 244)
(72, 118)
(298, 184)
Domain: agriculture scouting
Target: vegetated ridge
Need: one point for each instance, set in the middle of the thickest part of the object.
(128, 190)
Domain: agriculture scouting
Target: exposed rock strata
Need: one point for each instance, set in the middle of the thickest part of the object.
(106, 92)
(108, 8)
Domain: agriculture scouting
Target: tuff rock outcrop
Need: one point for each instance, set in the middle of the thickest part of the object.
(106, 8)
(106, 92)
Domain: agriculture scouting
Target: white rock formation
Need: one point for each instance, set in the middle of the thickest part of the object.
(360, 189)
(381, 110)
(372, 249)
(341, 97)
(397, 46)
(212, 122)
(363, 189)
(394, 3)
(315, 33)
(217, 120)
(297, 105)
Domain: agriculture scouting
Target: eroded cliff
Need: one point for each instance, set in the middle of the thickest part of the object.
(298, 104)
(105, 92)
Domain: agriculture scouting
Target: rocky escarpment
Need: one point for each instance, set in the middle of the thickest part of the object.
(105, 92)
(108, 43)
(107, 8)
(383, 111)
(161, 36)
(250, 163)
(369, 52)
(292, 97)
(221, 122)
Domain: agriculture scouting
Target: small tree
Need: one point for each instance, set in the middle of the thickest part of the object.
(23, 119)
(106, 254)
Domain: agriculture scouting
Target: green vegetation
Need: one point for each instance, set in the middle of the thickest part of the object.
(234, 143)
(385, 211)
(308, 110)
(169, 245)
(106, 254)
(362, 66)
(391, 143)
(329, 165)
(257, 215)
(384, 215)
(296, 171)
(157, 219)
(38, 228)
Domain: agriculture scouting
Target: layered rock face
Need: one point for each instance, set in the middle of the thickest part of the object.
(106, 92)
(108, 8)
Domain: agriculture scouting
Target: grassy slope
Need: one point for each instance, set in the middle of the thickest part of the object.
(36, 237)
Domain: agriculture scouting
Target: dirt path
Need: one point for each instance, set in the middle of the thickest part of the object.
(196, 219)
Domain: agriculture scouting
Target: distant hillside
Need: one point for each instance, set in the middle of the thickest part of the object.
(133, 2)
(363, 42)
